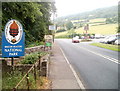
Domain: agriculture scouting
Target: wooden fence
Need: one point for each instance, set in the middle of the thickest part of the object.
(40, 68)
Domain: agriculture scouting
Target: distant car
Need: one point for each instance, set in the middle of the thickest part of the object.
(75, 40)
(104, 40)
(97, 36)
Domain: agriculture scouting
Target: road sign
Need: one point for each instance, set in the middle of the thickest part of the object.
(86, 27)
(48, 40)
(52, 27)
(48, 37)
(13, 39)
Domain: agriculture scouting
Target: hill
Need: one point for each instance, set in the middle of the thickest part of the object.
(101, 21)
(108, 12)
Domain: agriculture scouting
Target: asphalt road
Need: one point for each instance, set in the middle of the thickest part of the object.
(96, 67)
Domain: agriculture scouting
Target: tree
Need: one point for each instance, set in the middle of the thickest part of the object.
(34, 16)
(69, 25)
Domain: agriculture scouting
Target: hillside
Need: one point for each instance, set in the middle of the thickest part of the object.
(101, 21)
(108, 12)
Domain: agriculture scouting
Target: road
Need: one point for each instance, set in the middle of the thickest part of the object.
(96, 67)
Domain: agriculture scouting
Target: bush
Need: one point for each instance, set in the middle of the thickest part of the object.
(32, 58)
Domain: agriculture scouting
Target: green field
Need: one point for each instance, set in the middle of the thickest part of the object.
(98, 29)
(96, 26)
(97, 20)
(61, 34)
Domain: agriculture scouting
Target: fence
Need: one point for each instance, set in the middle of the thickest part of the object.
(33, 75)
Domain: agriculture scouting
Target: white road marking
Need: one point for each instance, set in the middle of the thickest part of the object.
(75, 74)
(104, 56)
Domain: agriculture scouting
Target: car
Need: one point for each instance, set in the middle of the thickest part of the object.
(75, 39)
(104, 40)
(112, 40)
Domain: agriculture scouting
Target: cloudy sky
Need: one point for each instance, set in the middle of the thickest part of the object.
(67, 7)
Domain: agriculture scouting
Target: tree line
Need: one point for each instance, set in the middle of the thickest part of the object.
(34, 16)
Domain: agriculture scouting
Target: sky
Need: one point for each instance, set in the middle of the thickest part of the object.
(68, 7)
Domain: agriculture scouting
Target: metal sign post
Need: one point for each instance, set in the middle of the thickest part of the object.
(12, 61)
(53, 28)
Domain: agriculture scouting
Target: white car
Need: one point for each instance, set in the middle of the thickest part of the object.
(104, 40)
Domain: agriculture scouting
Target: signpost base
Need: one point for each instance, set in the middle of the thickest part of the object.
(12, 61)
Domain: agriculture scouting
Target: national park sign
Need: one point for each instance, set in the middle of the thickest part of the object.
(13, 39)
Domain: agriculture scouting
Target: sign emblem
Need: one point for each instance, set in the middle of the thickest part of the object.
(13, 31)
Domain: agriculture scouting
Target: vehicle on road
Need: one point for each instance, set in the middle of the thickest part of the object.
(75, 39)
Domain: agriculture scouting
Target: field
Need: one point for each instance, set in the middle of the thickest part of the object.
(100, 29)
(61, 34)
(97, 20)
(96, 26)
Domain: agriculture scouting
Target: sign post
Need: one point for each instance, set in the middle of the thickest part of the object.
(53, 28)
(86, 28)
(13, 40)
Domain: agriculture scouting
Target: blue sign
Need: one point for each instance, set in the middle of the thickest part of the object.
(13, 40)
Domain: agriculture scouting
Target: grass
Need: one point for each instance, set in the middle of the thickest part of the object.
(107, 46)
(97, 26)
(98, 19)
(61, 34)
(10, 80)
(100, 29)
(24, 85)
(43, 83)
(85, 40)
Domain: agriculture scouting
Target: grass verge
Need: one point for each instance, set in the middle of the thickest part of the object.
(85, 40)
(107, 46)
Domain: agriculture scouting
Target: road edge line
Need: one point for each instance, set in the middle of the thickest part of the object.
(75, 74)
(104, 56)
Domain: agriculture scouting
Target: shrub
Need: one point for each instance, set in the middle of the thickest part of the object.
(32, 58)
